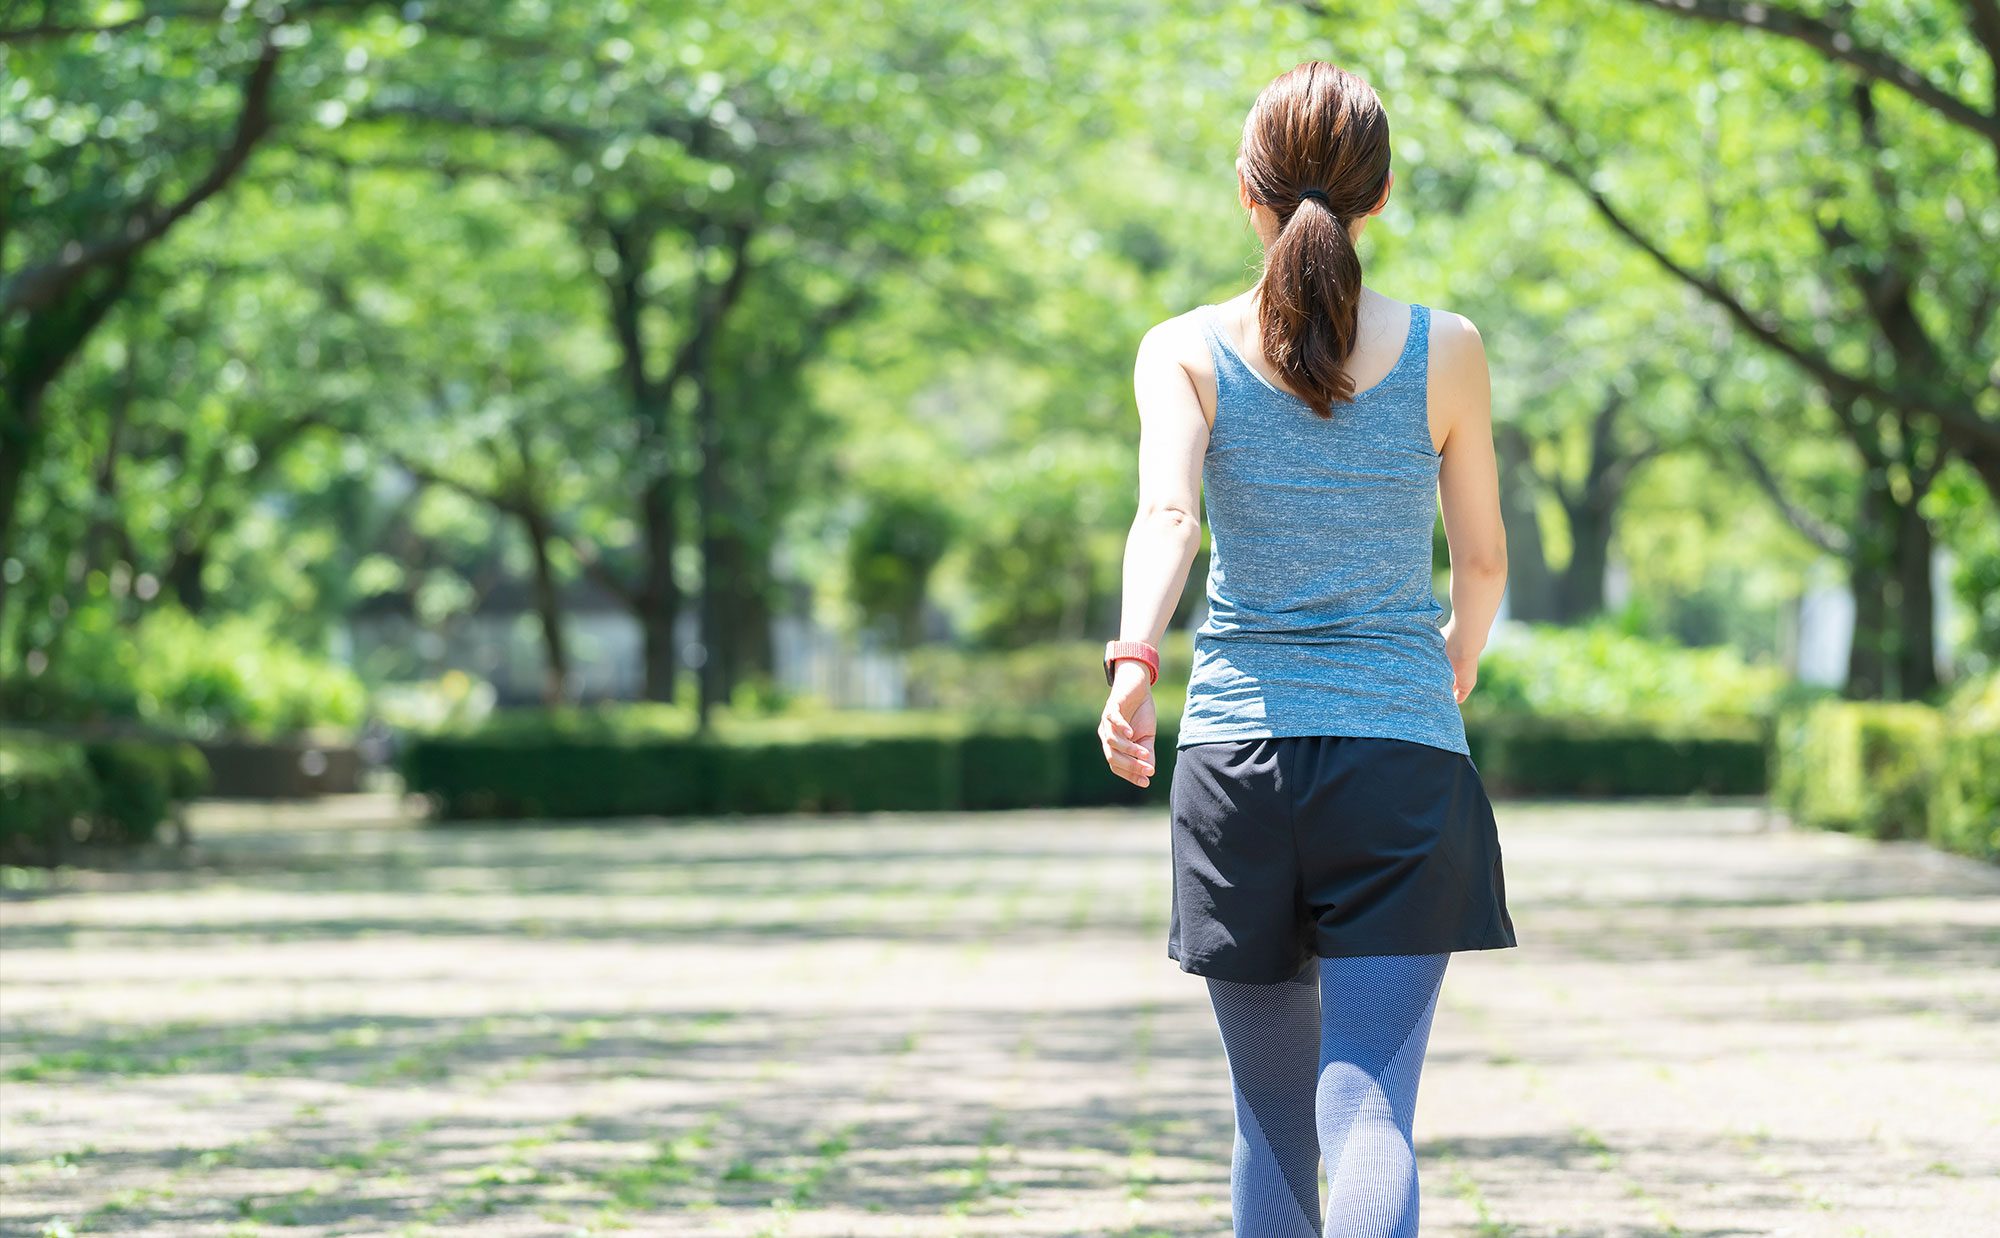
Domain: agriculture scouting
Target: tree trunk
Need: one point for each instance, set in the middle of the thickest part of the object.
(1916, 643)
(741, 647)
(1580, 588)
(659, 596)
(712, 676)
(548, 609)
(1531, 587)
(1868, 579)
(20, 437)
(184, 581)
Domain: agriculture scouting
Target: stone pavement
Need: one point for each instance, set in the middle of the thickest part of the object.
(338, 1022)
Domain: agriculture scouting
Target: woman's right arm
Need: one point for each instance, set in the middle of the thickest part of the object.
(1469, 488)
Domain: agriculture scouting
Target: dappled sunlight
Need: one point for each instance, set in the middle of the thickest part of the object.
(961, 1024)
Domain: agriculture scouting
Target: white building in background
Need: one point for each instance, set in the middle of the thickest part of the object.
(1823, 630)
(500, 642)
(811, 659)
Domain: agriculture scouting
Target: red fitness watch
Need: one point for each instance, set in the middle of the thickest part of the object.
(1116, 651)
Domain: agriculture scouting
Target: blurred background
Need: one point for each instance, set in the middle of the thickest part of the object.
(375, 372)
(536, 538)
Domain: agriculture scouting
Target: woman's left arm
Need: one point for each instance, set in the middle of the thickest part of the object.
(1165, 535)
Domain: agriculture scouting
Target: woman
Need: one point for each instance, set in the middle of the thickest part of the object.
(1332, 842)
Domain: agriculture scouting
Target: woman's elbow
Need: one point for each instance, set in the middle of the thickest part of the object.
(1485, 564)
(1176, 519)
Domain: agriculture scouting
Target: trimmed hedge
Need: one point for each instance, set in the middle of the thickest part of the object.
(941, 763)
(1965, 800)
(474, 778)
(1576, 756)
(1897, 769)
(45, 787)
(1865, 767)
(55, 793)
(1026, 762)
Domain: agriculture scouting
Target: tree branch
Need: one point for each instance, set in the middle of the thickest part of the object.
(520, 508)
(698, 137)
(1820, 533)
(1984, 16)
(38, 287)
(1957, 416)
(1838, 45)
(46, 29)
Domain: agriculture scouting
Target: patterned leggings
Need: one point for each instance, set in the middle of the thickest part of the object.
(1327, 1063)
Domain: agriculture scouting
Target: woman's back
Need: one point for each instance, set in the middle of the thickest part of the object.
(1321, 614)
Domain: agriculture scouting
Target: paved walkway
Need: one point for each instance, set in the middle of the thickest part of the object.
(963, 1025)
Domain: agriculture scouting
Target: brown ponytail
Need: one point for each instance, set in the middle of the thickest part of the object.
(1316, 151)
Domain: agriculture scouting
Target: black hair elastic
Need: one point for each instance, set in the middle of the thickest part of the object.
(1316, 193)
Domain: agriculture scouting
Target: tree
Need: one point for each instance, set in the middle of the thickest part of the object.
(1851, 237)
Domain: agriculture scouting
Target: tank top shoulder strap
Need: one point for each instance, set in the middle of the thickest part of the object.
(1414, 381)
(1419, 349)
(1219, 351)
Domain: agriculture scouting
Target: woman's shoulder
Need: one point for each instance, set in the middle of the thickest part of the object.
(1454, 339)
(1184, 334)
(1182, 340)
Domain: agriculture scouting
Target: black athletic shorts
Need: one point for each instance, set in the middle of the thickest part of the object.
(1295, 846)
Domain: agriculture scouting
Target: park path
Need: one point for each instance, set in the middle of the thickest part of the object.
(342, 1023)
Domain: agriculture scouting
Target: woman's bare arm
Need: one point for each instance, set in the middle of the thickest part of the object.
(1163, 541)
(1469, 488)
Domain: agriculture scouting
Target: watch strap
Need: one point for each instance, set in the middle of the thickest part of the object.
(1117, 651)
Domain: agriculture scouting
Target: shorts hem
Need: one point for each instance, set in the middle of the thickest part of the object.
(1208, 968)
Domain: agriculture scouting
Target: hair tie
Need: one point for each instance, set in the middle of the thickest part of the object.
(1316, 193)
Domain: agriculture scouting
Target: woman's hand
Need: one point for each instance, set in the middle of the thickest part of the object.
(1130, 724)
(1464, 657)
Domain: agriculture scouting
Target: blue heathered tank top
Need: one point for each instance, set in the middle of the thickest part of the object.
(1321, 616)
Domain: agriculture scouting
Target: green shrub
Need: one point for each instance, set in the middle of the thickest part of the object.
(1599, 671)
(854, 762)
(1867, 767)
(1964, 806)
(188, 774)
(1056, 677)
(176, 673)
(1592, 756)
(570, 764)
(1016, 763)
(478, 778)
(624, 722)
(138, 783)
(46, 786)
(843, 774)
(118, 790)
(134, 788)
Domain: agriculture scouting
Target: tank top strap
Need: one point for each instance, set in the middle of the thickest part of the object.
(1227, 366)
(1418, 354)
(1412, 376)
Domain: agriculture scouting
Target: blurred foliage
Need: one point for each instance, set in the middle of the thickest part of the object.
(1897, 770)
(1599, 671)
(1052, 676)
(1964, 805)
(58, 793)
(453, 701)
(229, 677)
(759, 309)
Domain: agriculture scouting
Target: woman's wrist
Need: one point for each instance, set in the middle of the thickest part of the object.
(1128, 674)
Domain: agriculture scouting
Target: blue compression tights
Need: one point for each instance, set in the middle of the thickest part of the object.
(1326, 1064)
